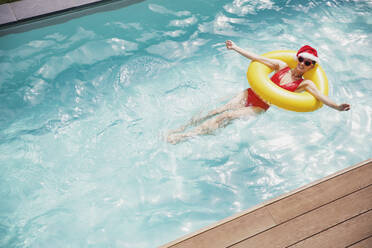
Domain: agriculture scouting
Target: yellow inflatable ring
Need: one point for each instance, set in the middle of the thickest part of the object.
(258, 78)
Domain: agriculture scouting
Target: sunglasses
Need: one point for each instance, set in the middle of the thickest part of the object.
(307, 63)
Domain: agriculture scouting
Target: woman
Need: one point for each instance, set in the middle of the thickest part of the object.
(247, 103)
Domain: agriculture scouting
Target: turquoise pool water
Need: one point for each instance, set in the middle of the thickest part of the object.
(85, 106)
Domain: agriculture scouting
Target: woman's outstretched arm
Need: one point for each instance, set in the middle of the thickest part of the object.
(274, 64)
(310, 87)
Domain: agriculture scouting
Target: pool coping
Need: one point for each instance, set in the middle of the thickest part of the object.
(237, 230)
(15, 17)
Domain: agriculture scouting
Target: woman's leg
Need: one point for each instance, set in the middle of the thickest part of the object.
(236, 103)
(209, 126)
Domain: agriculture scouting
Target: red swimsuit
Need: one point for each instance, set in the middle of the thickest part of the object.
(255, 101)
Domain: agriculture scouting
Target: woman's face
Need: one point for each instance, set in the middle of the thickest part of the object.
(304, 64)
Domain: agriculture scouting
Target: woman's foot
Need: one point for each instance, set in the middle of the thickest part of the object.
(175, 138)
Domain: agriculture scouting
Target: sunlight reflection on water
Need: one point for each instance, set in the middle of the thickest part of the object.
(85, 106)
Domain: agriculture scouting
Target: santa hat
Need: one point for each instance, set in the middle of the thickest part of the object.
(308, 52)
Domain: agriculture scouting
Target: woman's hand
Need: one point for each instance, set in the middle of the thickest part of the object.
(343, 107)
(310, 87)
(230, 45)
(274, 64)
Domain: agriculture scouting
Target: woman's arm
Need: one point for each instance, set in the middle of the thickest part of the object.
(274, 64)
(310, 87)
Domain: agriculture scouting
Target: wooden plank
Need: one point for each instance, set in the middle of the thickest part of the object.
(227, 233)
(363, 243)
(355, 182)
(313, 222)
(321, 194)
(342, 235)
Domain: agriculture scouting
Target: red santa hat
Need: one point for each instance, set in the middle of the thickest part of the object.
(308, 52)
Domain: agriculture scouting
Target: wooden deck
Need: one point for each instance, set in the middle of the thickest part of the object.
(332, 212)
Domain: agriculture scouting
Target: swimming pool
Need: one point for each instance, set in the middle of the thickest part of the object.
(85, 106)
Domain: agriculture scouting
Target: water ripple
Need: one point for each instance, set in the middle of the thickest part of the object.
(85, 107)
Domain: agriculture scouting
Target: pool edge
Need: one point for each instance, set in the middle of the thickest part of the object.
(51, 15)
(178, 242)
